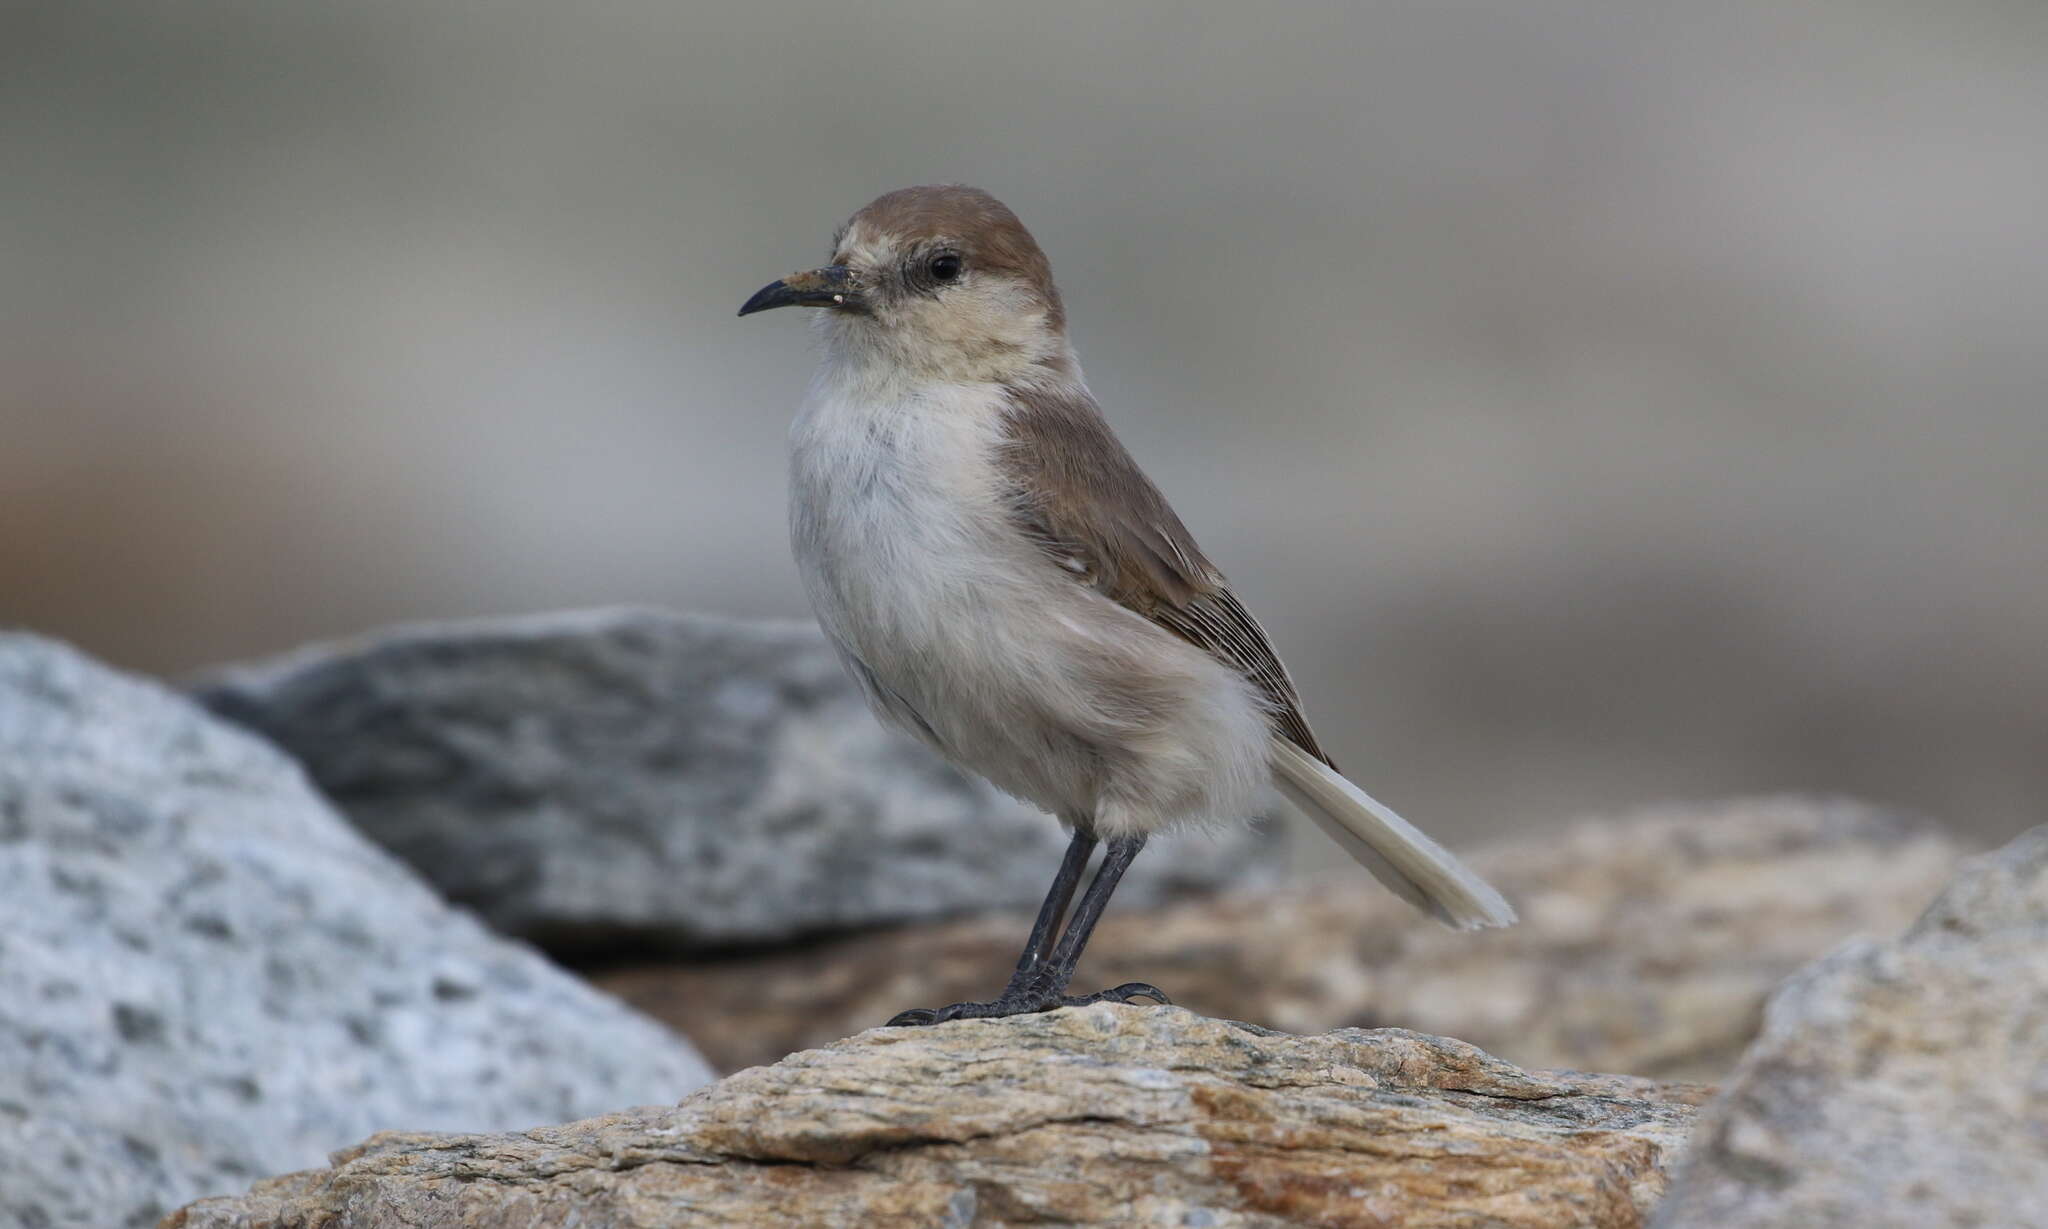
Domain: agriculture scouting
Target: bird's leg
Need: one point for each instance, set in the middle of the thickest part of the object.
(1040, 982)
(1059, 970)
(1057, 898)
(1043, 931)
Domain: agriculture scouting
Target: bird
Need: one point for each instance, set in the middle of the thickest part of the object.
(1005, 584)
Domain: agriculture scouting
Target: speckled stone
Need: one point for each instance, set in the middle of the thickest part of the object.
(207, 976)
(1101, 1115)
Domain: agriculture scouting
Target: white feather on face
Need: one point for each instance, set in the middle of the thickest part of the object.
(999, 320)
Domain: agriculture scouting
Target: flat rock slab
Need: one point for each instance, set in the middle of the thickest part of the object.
(637, 777)
(1897, 1085)
(206, 975)
(1102, 1115)
(1648, 944)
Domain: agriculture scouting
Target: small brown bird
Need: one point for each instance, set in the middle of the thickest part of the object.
(1005, 584)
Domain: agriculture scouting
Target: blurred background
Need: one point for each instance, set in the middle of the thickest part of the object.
(1599, 402)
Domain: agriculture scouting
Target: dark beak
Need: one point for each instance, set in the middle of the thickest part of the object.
(831, 286)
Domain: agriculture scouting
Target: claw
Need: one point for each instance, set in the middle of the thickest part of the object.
(1125, 993)
(1027, 1002)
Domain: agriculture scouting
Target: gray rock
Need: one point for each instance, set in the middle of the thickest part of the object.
(206, 975)
(644, 778)
(1896, 1084)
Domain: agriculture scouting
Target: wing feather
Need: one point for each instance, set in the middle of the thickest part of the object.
(1082, 498)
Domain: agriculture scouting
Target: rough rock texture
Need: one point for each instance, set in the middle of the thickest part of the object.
(1088, 1116)
(587, 779)
(206, 975)
(1647, 944)
(1897, 1084)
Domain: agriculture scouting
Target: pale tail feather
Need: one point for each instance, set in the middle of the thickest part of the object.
(1419, 870)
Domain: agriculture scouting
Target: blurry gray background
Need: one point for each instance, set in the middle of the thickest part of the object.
(1599, 402)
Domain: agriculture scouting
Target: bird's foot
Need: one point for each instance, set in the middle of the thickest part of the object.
(1026, 1001)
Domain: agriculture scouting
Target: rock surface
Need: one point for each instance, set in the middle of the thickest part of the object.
(639, 777)
(1647, 944)
(207, 976)
(1088, 1116)
(1897, 1084)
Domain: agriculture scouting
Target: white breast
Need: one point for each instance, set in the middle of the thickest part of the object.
(895, 512)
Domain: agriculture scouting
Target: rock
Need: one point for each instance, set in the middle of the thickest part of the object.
(206, 975)
(1648, 944)
(636, 777)
(1902, 1083)
(1100, 1115)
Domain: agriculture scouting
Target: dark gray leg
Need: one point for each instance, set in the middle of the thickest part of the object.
(1040, 981)
(1060, 969)
(1057, 899)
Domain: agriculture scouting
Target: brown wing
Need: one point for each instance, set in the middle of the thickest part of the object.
(1085, 501)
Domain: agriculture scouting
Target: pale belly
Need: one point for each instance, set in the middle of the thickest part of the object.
(947, 640)
(963, 632)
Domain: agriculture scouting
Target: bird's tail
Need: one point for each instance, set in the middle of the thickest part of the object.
(1419, 870)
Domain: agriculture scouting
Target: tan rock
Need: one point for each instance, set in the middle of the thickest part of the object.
(1093, 1116)
(1897, 1084)
(1648, 944)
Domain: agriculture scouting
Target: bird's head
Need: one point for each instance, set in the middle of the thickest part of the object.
(941, 280)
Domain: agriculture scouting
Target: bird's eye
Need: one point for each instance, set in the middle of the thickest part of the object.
(944, 267)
